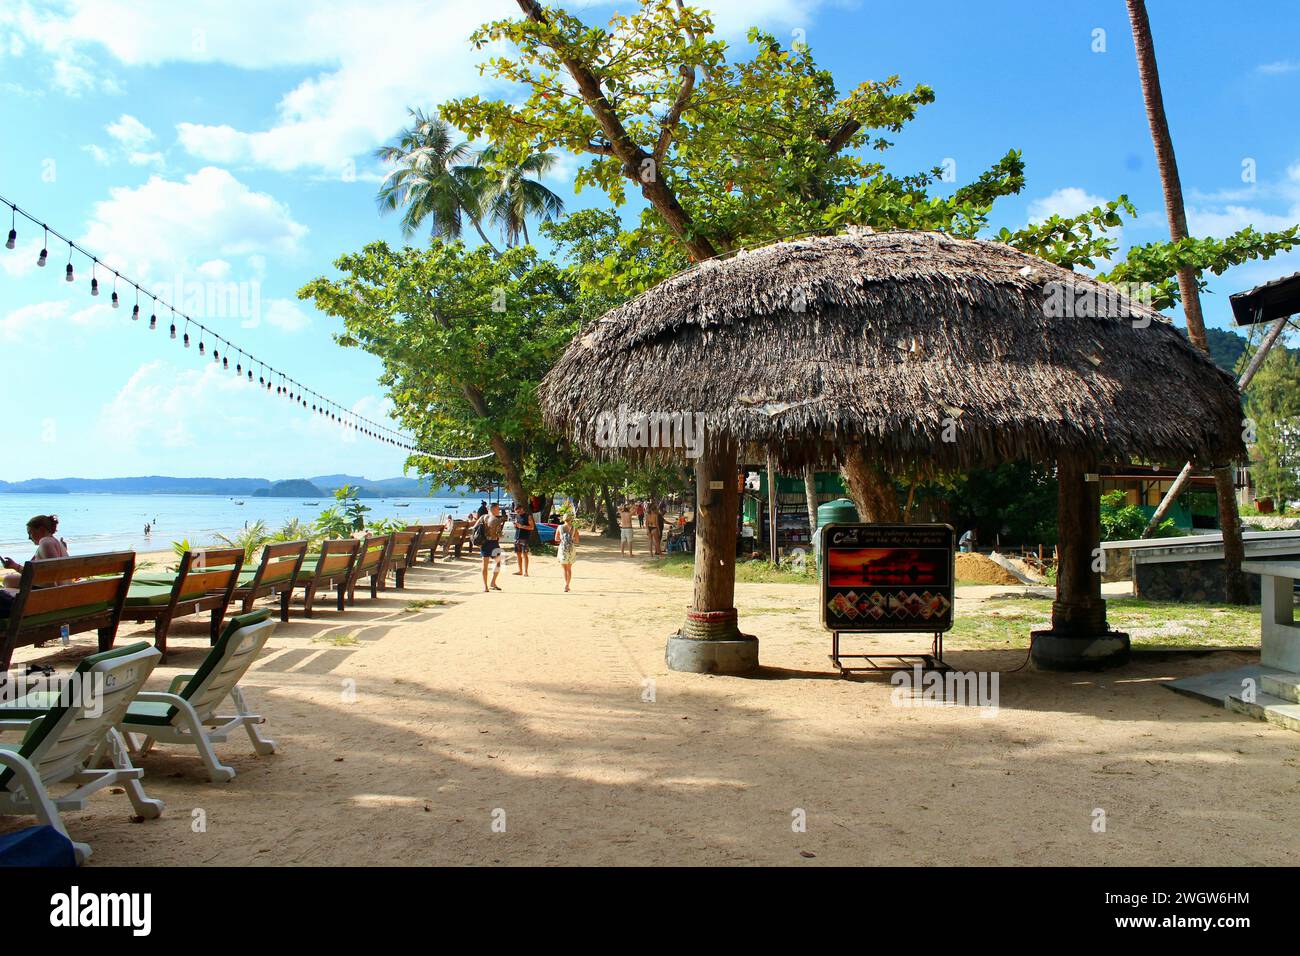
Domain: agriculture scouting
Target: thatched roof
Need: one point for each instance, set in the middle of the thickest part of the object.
(889, 339)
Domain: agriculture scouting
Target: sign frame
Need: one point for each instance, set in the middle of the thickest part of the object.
(914, 590)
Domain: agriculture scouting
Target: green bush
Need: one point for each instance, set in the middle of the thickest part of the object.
(1124, 522)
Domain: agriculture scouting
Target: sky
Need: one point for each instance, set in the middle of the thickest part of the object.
(228, 145)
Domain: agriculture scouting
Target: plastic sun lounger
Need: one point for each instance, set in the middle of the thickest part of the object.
(58, 597)
(332, 572)
(401, 556)
(205, 581)
(372, 563)
(63, 741)
(274, 577)
(186, 713)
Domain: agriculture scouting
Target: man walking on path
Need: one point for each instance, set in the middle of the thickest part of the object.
(487, 530)
(640, 513)
(524, 526)
(625, 531)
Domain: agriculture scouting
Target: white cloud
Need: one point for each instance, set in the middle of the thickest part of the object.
(1279, 67)
(165, 227)
(370, 67)
(35, 322)
(130, 132)
(286, 315)
(21, 260)
(97, 153)
(1223, 222)
(1067, 201)
(27, 320)
(145, 159)
(160, 402)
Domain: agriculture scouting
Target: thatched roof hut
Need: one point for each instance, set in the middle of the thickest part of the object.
(887, 339)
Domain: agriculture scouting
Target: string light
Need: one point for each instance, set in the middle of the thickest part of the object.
(286, 386)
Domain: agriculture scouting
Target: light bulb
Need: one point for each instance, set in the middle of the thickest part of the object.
(135, 313)
(67, 273)
(40, 260)
(13, 239)
(115, 300)
(94, 287)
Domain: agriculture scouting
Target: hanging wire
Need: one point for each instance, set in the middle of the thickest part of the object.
(375, 429)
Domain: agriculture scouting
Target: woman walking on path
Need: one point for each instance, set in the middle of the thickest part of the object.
(567, 536)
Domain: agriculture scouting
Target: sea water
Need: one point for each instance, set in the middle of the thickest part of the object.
(98, 522)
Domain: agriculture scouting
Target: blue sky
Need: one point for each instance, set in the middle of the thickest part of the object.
(227, 143)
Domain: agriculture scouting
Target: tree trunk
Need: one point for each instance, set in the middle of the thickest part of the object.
(870, 486)
(1078, 610)
(810, 496)
(505, 458)
(611, 516)
(1234, 584)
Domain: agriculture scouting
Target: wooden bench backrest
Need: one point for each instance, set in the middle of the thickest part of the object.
(337, 557)
(374, 551)
(280, 563)
(64, 584)
(207, 571)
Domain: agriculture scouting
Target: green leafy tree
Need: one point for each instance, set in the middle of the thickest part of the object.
(1273, 405)
(464, 336)
(333, 523)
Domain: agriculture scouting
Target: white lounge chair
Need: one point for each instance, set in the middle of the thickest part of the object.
(65, 739)
(186, 713)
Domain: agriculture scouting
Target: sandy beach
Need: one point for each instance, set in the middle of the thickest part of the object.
(536, 727)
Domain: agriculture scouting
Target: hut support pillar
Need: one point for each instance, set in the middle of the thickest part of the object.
(1079, 638)
(710, 642)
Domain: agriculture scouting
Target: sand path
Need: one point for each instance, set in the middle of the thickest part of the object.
(414, 736)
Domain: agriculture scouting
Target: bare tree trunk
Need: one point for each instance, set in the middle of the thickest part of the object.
(1234, 584)
(870, 486)
(810, 496)
(611, 516)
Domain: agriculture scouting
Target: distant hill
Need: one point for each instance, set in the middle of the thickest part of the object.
(292, 488)
(321, 487)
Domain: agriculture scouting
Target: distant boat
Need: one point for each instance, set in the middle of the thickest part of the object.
(239, 502)
(401, 504)
(311, 502)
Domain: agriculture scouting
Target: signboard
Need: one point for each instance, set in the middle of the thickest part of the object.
(882, 578)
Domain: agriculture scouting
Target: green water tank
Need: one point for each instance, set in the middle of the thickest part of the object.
(839, 511)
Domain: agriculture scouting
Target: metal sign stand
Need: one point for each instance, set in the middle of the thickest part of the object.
(932, 661)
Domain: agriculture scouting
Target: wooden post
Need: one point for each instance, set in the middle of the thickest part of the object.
(1079, 609)
(710, 642)
(715, 529)
(771, 507)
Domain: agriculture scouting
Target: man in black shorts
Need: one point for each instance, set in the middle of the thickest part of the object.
(524, 526)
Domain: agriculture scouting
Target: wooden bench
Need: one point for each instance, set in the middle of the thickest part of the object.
(401, 555)
(274, 577)
(372, 563)
(58, 597)
(430, 538)
(456, 539)
(205, 581)
(333, 572)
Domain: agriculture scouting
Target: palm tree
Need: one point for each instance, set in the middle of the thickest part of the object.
(1149, 76)
(433, 178)
(513, 193)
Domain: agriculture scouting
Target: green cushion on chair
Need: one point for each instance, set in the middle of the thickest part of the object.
(149, 712)
(67, 614)
(148, 595)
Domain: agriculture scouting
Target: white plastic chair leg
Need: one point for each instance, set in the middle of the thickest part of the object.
(262, 745)
(145, 806)
(43, 807)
